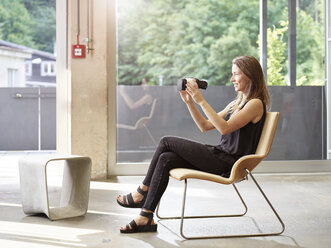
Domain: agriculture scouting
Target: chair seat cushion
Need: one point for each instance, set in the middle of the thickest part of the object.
(182, 173)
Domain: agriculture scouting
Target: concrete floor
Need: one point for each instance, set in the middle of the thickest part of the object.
(303, 201)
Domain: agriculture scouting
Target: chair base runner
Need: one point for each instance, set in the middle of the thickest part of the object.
(182, 217)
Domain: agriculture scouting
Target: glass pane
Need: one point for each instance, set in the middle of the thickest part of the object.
(301, 129)
(310, 69)
(277, 42)
(27, 30)
(160, 42)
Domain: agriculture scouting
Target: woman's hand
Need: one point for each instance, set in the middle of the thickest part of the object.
(185, 97)
(193, 90)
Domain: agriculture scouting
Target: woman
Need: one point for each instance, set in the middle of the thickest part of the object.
(240, 123)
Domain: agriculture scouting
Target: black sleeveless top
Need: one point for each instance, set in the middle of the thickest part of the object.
(243, 141)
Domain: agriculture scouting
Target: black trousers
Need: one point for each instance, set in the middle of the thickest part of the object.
(175, 152)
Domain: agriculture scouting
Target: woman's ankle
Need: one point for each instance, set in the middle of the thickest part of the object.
(147, 211)
(144, 187)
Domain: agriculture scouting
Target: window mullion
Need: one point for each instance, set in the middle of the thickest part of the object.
(292, 42)
(263, 36)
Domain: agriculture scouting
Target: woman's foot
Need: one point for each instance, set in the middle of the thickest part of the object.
(142, 223)
(135, 199)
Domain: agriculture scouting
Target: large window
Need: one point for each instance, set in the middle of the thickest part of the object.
(296, 58)
(27, 75)
(159, 42)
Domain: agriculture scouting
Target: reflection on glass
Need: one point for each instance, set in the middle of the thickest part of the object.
(139, 103)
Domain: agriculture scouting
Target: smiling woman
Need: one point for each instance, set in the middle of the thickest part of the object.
(248, 80)
(240, 124)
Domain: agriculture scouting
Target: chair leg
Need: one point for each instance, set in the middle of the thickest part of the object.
(202, 216)
(269, 203)
(224, 236)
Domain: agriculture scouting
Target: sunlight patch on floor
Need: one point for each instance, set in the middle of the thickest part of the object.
(53, 234)
(131, 187)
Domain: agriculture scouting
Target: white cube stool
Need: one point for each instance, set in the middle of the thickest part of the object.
(75, 185)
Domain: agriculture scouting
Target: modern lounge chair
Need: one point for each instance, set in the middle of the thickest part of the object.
(241, 169)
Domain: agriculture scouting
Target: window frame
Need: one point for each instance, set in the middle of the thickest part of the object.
(28, 68)
(48, 66)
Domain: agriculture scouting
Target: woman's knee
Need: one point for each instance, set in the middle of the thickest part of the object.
(167, 158)
(164, 139)
(168, 140)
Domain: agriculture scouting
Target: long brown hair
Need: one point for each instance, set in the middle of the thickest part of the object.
(251, 67)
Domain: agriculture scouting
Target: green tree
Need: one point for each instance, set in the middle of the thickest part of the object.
(276, 55)
(130, 23)
(229, 46)
(15, 23)
(44, 32)
(43, 15)
(29, 23)
(174, 38)
(310, 50)
(32, 5)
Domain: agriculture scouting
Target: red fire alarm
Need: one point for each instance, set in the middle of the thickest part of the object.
(78, 51)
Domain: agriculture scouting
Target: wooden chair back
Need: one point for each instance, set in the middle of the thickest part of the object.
(249, 162)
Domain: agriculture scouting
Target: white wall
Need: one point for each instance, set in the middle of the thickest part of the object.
(11, 59)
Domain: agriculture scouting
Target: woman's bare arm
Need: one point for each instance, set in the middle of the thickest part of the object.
(146, 99)
(252, 111)
(203, 124)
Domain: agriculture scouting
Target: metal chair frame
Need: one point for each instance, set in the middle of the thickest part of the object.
(240, 171)
(183, 217)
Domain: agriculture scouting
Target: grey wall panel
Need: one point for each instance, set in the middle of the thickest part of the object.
(48, 118)
(299, 135)
(18, 119)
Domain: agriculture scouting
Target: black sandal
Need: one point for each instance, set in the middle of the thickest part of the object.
(149, 227)
(128, 200)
